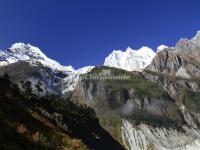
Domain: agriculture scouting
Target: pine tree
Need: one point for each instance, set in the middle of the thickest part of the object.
(28, 89)
(38, 87)
(6, 76)
(7, 79)
(22, 85)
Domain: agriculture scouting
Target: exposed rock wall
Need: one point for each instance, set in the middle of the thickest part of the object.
(144, 137)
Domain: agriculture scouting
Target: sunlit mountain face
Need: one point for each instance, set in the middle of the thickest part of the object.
(154, 106)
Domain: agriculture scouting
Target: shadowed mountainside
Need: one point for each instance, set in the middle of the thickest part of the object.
(50, 122)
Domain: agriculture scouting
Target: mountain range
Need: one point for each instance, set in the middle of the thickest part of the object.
(156, 107)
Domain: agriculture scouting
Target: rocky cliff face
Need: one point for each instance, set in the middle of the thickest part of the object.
(145, 137)
(178, 89)
(133, 91)
(128, 108)
(177, 71)
(149, 110)
(125, 101)
(156, 108)
(180, 61)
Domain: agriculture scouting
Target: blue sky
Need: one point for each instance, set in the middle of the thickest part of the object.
(84, 32)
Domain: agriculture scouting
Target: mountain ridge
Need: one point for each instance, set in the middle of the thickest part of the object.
(27, 52)
(161, 95)
(131, 60)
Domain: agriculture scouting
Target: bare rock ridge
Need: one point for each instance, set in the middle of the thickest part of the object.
(180, 61)
(147, 111)
(156, 108)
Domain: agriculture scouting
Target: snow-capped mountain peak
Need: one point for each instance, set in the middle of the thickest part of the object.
(145, 51)
(131, 60)
(35, 57)
(28, 50)
(31, 54)
(161, 47)
(129, 49)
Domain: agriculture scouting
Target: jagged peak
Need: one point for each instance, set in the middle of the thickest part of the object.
(197, 35)
(32, 54)
(145, 51)
(196, 38)
(161, 47)
(17, 46)
(116, 51)
(181, 41)
(142, 51)
(28, 49)
(186, 44)
(129, 49)
(131, 60)
(144, 48)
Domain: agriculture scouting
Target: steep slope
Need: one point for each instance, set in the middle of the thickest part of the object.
(28, 72)
(50, 123)
(70, 82)
(145, 137)
(186, 94)
(20, 51)
(34, 65)
(24, 127)
(131, 60)
(161, 47)
(180, 61)
(154, 108)
(138, 112)
(177, 70)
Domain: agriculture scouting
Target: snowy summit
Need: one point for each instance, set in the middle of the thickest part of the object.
(31, 54)
(130, 60)
(161, 47)
(34, 56)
